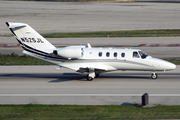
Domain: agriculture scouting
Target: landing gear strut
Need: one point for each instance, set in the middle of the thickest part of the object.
(154, 76)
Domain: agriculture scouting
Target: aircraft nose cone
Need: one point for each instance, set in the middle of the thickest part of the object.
(165, 65)
(170, 66)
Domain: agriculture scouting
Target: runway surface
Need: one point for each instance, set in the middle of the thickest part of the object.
(48, 85)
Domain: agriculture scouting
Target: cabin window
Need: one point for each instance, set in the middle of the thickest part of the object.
(107, 54)
(135, 54)
(100, 54)
(123, 55)
(115, 54)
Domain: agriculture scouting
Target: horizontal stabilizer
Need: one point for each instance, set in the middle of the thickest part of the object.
(17, 25)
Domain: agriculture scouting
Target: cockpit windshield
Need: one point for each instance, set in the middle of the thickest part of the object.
(143, 54)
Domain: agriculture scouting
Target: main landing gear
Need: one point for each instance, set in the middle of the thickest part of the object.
(89, 78)
(91, 75)
(154, 76)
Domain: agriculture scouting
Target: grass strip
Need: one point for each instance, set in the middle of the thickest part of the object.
(87, 112)
(14, 59)
(175, 61)
(128, 33)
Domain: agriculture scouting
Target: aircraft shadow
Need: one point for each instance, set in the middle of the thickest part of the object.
(71, 76)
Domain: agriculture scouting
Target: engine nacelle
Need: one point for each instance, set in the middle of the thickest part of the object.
(72, 52)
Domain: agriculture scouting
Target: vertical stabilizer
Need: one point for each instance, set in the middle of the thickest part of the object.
(28, 38)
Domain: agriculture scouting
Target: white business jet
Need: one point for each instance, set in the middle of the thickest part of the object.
(93, 61)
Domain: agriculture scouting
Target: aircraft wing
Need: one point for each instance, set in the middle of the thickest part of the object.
(84, 67)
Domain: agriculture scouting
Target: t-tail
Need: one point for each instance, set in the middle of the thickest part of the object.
(29, 39)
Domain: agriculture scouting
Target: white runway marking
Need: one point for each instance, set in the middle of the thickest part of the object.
(86, 95)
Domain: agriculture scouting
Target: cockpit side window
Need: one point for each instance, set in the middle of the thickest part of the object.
(143, 54)
(135, 54)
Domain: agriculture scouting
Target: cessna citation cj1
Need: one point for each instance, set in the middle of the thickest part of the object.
(93, 61)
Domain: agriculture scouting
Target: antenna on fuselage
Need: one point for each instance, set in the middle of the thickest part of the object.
(89, 45)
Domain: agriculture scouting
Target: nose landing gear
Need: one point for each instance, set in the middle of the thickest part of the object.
(154, 76)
